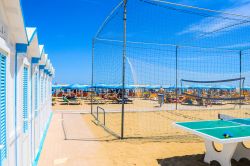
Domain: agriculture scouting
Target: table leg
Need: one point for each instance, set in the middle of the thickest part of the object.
(241, 152)
(223, 157)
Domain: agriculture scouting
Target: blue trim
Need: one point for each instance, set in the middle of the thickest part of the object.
(42, 52)
(20, 48)
(46, 71)
(41, 67)
(35, 162)
(33, 35)
(35, 60)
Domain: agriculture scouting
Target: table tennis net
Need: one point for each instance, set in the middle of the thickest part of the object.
(242, 121)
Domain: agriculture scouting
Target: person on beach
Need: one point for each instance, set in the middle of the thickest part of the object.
(161, 96)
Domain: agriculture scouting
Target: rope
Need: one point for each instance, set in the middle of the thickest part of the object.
(215, 81)
(211, 98)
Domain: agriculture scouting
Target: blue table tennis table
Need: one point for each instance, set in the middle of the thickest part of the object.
(231, 132)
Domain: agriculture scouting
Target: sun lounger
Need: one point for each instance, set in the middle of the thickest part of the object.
(98, 100)
(119, 101)
(71, 102)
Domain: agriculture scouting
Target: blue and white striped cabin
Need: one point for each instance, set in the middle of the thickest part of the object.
(25, 101)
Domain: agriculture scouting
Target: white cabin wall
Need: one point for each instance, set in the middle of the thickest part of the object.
(22, 148)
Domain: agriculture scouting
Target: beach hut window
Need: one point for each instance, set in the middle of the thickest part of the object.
(3, 107)
(25, 99)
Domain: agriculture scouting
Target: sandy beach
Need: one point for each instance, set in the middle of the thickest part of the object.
(88, 144)
(76, 139)
(144, 118)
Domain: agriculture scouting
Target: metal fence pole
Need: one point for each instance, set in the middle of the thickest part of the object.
(123, 63)
(176, 77)
(240, 76)
(92, 75)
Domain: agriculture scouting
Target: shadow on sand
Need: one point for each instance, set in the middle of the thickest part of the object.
(195, 160)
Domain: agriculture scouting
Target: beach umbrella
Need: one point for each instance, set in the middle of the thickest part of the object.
(223, 87)
(79, 87)
(106, 86)
(75, 86)
(84, 87)
(127, 87)
(64, 86)
(154, 87)
(199, 86)
(112, 86)
(137, 86)
(166, 86)
(54, 87)
(98, 86)
(60, 86)
(246, 88)
(179, 87)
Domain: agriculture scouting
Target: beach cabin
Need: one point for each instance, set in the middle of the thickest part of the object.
(42, 78)
(25, 88)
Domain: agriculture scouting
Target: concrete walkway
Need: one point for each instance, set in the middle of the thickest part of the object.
(79, 149)
(79, 142)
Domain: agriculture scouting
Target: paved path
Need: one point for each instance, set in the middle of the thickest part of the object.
(78, 150)
(89, 145)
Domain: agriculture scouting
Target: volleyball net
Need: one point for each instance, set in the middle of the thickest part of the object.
(161, 62)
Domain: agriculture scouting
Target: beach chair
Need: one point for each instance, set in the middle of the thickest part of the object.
(119, 101)
(127, 100)
(186, 100)
(60, 94)
(146, 95)
(98, 100)
(71, 102)
(53, 101)
(153, 97)
(138, 94)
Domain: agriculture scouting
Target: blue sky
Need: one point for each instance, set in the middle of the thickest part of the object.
(66, 27)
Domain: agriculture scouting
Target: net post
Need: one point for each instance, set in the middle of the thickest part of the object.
(92, 74)
(181, 87)
(240, 76)
(123, 63)
(176, 77)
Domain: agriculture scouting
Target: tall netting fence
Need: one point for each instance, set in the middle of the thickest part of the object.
(167, 62)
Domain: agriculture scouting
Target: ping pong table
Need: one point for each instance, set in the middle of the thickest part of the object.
(230, 132)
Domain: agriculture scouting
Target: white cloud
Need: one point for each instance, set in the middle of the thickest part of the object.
(240, 45)
(215, 24)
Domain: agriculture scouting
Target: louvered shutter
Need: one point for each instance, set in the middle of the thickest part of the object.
(41, 90)
(3, 107)
(25, 99)
(36, 91)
